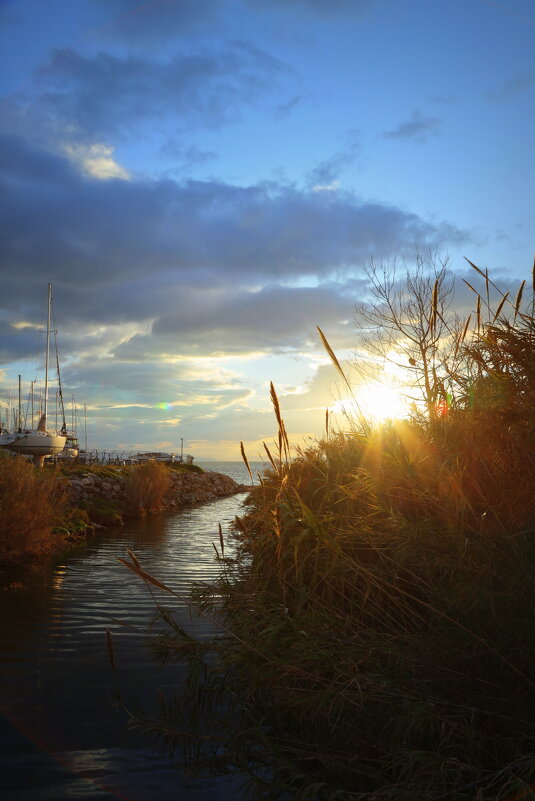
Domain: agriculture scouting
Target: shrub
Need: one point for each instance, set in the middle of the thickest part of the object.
(146, 487)
(32, 502)
(103, 511)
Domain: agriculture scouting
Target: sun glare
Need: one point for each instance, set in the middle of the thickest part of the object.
(375, 401)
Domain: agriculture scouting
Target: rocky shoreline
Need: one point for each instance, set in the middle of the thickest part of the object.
(186, 488)
(94, 499)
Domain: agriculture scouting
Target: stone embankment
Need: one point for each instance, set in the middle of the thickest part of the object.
(191, 488)
(186, 488)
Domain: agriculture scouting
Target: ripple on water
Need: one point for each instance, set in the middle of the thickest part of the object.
(62, 737)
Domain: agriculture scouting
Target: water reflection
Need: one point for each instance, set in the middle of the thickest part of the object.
(57, 687)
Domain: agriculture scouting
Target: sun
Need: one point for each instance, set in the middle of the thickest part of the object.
(376, 401)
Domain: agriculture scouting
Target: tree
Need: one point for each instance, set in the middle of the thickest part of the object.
(410, 324)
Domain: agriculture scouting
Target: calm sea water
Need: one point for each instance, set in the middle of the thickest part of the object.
(61, 734)
(236, 470)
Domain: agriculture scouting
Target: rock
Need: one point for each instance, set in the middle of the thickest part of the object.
(185, 488)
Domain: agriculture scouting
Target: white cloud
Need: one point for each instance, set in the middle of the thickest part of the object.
(97, 161)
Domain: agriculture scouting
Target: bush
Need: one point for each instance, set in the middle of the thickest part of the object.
(145, 488)
(32, 502)
(103, 511)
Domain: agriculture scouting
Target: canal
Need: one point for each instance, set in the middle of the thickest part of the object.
(62, 735)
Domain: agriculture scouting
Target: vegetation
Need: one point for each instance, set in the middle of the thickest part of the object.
(377, 642)
(37, 512)
(32, 503)
(79, 469)
(146, 486)
(102, 511)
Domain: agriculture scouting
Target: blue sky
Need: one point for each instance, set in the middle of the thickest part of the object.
(204, 182)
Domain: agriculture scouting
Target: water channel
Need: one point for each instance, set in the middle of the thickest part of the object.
(61, 735)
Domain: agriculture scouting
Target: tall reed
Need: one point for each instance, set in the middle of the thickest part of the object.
(378, 609)
(32, 502)
(145, 488)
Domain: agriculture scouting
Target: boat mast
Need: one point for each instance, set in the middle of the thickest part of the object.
(20, 409)
(47, 349)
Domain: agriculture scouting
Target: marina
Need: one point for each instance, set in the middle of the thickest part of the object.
(42, 441)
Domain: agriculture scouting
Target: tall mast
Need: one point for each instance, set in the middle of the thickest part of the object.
(47, 348)
(20, 408)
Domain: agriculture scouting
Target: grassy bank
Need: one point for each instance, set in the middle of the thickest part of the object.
(39, 515)
(378, 641)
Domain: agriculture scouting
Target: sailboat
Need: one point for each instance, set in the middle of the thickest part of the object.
(72, 447)
(41, 441)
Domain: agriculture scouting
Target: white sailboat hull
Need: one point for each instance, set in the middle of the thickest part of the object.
(33, 443)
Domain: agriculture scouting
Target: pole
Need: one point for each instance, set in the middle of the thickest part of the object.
(33, 382)
(181, 449)
(47, 349)
(20, 410)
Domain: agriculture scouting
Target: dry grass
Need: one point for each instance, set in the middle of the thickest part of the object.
(32, 502)
(379, 606)
(145, 488)
(378, 641)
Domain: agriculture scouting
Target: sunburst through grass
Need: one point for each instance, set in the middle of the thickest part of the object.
(378, 644)
(377, 401)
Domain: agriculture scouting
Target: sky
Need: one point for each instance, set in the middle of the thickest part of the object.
(205, 181)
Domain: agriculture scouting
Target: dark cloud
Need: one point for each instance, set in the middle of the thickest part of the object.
(106, 94)
(157, 22)
(322, 8)
(120, 251)
(514, 86)
(273, 319)
(118, 236)
(329, 170)
(284, 110)
(187, 157)
(418, 127)
(16, 343)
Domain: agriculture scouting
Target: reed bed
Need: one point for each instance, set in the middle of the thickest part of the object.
(32, 503)
(145, 489)
(378, 639)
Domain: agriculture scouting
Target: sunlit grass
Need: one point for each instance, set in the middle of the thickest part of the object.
(32, 502)
(378, 614)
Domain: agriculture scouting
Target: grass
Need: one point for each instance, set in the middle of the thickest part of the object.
(32, 503)
(378, 640)
(36, 513)
(146, 486)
